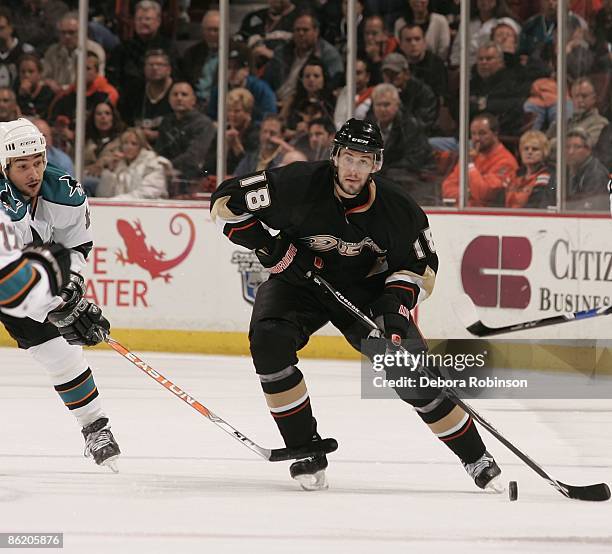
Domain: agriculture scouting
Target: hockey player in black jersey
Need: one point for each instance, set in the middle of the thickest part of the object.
(372, 242)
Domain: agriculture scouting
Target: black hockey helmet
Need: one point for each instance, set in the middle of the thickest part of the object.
(362, 136)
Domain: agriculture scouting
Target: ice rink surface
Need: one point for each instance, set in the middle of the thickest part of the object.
(185, 486)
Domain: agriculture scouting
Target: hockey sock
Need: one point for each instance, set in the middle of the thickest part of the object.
(289, 403)
(454, 427)
(80, 395)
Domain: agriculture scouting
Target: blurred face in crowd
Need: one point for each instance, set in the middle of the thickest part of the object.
(130, 146)
(103, 118)
(578, 151)
(237, 73)
(386, 106)
(354, 170)
(182, 99)
(419, 6)
(362, 77)
(531, 153)
(483, 138)
(486, 7)
(397, 78)
(318, 137)
(146, 22)
(549, 7)
(312, 78)
(26, 174)
(6, 33)
(412, 44)
(28, 71)
(8, 105)
(488, 62)
(91, 70)
(44, 128)
(68, 33)
(157, 69)
(507, 39)
(210, 29)
(237, 116)
(305, 34)
(374, 30)
(270, 128)
(358, 8)
(583, 97)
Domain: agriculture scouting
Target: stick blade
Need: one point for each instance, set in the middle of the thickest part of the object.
(599, 492)
(465, 310)
(324, 446)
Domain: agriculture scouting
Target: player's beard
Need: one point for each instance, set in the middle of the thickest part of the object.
(352, 188)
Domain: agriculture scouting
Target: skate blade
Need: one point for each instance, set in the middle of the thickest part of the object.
(313, 481)
(495, 485)
(111, 463)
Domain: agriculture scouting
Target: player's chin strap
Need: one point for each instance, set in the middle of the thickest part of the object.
(324, 446)
(596, 492)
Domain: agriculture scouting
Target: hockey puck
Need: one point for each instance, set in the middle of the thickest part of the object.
(513, 490)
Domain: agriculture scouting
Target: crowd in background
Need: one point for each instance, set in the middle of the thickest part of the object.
(152, 93)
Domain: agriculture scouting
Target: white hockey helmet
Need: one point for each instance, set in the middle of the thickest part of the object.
(19, 138)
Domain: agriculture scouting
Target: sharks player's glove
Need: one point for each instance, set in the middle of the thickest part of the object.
(78, 320)
(282, 257)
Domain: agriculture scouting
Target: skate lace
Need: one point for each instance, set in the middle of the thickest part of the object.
(475, 468)
(97, 440)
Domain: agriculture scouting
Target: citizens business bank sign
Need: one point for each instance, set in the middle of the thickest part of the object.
(521, 267)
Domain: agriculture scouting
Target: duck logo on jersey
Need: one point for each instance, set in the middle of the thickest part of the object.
(8, 200)
(252, 273)
(325, 243)
(74, 186)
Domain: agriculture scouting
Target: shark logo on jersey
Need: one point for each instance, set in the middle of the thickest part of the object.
(75, 186)
(8, 200)
(252, 272)
(325, 243)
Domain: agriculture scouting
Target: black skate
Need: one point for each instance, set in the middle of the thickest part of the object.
(310, 472)
(100, 444)
(485, 473)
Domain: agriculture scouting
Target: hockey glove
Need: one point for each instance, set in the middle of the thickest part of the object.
(282, 257)
(393, 308)
(55, 259)
(78, 320)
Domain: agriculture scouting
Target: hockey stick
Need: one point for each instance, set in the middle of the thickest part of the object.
(597, 492)
(272, 455)
(466, 310)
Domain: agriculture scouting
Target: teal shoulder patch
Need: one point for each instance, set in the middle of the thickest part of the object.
(11, 201)
(60, 187)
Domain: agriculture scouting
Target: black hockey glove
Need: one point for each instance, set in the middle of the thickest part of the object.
(56, 261)
(78, 320)
(282, 257)
(394, 311)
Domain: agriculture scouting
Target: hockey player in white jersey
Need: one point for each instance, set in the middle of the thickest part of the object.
(45, 206)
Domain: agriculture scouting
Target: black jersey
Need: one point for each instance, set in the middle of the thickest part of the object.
(380, 230)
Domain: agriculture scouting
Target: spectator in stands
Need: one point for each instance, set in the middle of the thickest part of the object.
(33, 96)
(587, 176)
(602, 29)
(186, 134)
(316, 145)
(35, 22)
(586, 116)
(376, 45)
(126, 63)
(11, 49)
(239, 76)
(9, 109)
(363, 96)
(332, 16)
(424, 64)
(498, 90)
(59, 62)
(534, 184)
(492, 167)
(97, 90)
(266, 29)
(283, 69)
(434, 25)
(146, 109)
(198, 64)
(603, 148)
(483, 18)
(242, 132)
(135, 171)
(417, 98)
(506, 34)
(269, 150)
(102, 129)
(312, 94)
(55, 156)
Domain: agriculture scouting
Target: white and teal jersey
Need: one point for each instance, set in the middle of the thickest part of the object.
(61, 214)
(24, 284)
